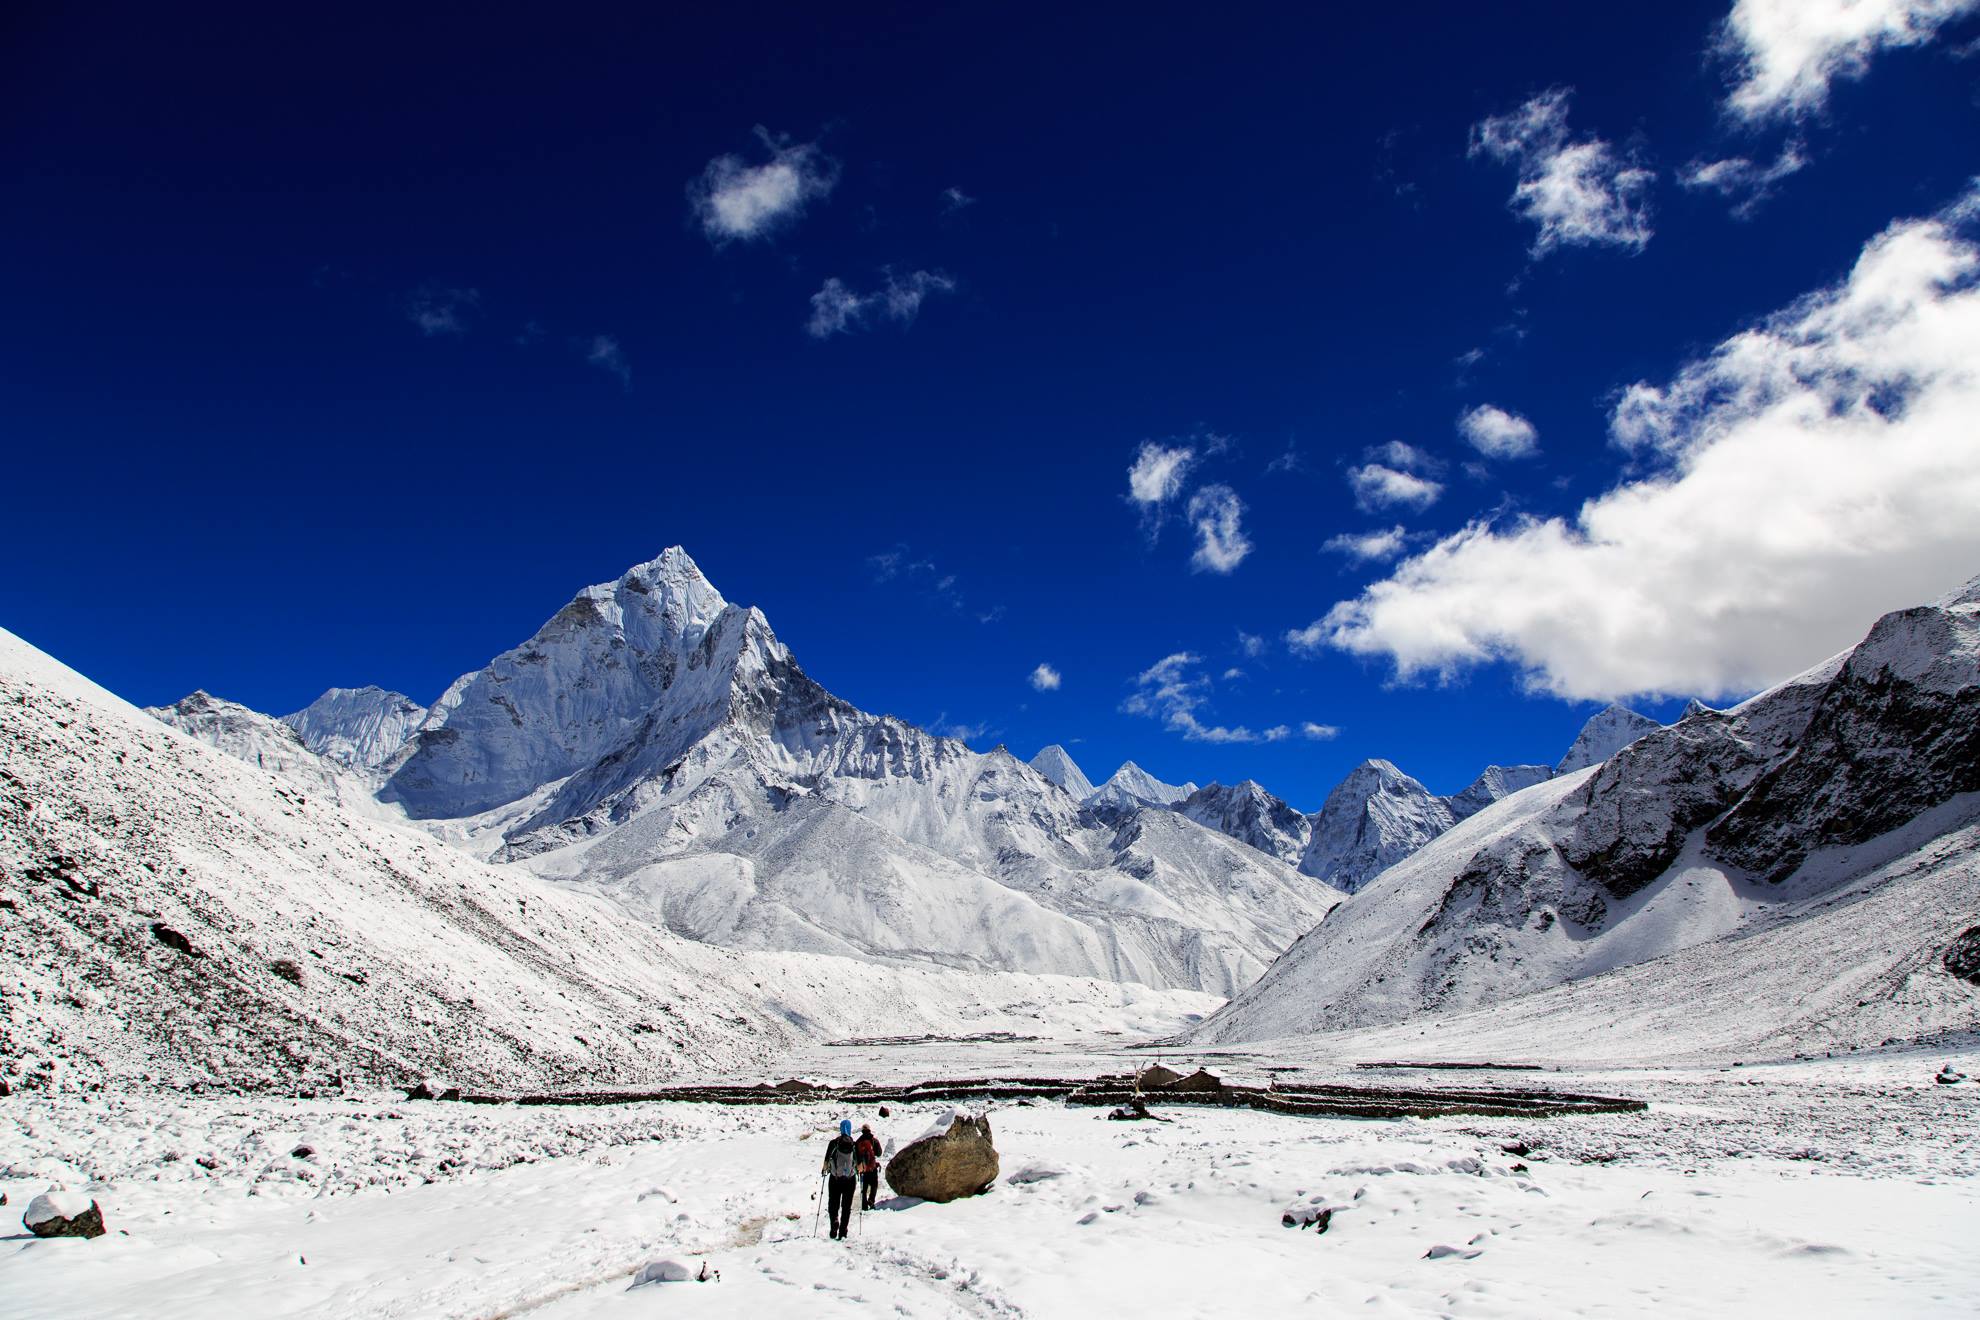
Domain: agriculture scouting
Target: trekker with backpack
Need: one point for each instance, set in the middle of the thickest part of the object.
(867, 1148)
(840, 1170)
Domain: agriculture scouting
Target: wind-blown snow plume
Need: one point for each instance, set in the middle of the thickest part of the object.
(1579, 193)
(734, 199)
(1789, 52)
(1808, 474)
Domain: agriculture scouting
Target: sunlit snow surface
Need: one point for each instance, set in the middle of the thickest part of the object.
(1837, 1188)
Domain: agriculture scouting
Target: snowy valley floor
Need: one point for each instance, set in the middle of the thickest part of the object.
(1830, 1188)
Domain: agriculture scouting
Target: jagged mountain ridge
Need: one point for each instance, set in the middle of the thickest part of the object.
(657, 741)
(1837, 789)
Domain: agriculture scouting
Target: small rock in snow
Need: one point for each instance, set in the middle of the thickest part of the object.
(662, 1271)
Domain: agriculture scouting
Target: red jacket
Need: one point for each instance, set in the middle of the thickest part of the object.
(867, 1151)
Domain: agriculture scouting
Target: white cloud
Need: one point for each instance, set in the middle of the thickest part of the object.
(1496, 433)
(1809, 474)
(1233, 673)
(1319, 732)
(1788, 52)
(735, 199)
(1577, 192)
(1156, 475)
(604, 353)
(1746, 185)
(441, 311)
(955, 199)
(1173, 689)
(1379, 487)
(943, 727)
(1408, 457)
(1221, 545)
(1251, 644)
(1045, 678)
(1369, 547)
(836, 309)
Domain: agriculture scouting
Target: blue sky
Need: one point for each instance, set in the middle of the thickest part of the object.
(345, 354)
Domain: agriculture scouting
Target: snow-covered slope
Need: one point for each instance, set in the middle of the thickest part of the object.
(1831, 790)
(263, 742)
(1607, 732)
(357, 728)
(170, 913)
(1057, 765)
(1249, 814)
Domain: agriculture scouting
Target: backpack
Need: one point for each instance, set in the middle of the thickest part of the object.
(839, 1157)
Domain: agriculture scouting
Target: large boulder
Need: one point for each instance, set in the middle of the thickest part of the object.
(960, 1161)
(60, 1213)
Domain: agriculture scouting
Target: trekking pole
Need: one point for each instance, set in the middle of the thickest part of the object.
(817, 1204)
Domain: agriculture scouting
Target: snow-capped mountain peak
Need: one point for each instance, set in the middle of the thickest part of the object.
(1249, 814)
(1374, 818)
(1133, 786)
(358, 728)
(1607, 732)
(1057, 765)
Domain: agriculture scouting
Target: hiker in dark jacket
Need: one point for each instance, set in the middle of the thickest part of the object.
(867, 1149)
(840, 1169)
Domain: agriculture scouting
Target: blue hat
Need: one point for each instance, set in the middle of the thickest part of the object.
(845, 1127)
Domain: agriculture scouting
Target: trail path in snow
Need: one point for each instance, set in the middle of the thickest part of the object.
(1831, 1188)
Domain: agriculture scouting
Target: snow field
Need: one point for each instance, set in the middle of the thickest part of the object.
(551, 1211)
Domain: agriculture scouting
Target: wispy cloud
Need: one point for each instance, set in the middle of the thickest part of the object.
(920, 573)
(1251, 644)
(438, 310)
(1787, 53)
(944, 727)
(1369, 547)
(1045, 678)
(1810, 473)
(837, 309)
(604, 352)
(1216, 514)
(1746, 185)
(1319, 732)
(955, 199)
(1579, 192)
(1377, 486)
(736, 199)
(1156, 475)
(1496, 433)
(1175, 688)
